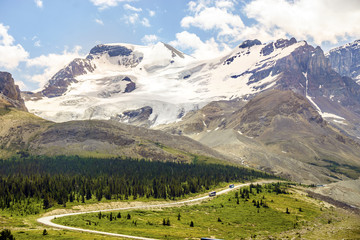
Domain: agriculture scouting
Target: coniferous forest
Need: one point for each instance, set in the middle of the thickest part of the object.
(63, 179)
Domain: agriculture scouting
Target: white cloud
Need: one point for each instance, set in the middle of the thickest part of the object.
(151, 13)
(11, 55)
(135, 19)
(150, 39)
(131, 8)
(51, 64)
(5, 38)
(216, 17)
(131, 19)
(39, 3)
(200, 49)
(145, 22)
(37, 43)
(225, 4)
(21, 85)
(319, 20)
(104, 4)
(99, 21)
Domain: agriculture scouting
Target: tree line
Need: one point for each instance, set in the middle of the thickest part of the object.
(63, 179)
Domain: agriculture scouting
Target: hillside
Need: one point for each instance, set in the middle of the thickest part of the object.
(22, 131)
(277, 131)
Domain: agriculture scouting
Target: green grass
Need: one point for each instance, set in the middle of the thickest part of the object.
(238, 221)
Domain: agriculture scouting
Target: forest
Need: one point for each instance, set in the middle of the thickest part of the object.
(62, 179)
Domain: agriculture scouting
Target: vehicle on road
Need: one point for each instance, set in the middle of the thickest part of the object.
(212, 194)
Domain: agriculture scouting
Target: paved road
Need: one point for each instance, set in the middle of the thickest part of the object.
(48, 220)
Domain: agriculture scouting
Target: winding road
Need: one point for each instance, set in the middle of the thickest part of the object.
(48, 220)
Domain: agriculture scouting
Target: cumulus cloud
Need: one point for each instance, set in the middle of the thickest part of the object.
(104, 4)
(200, 50)
(39, 3)
(216, 16)
(11, 54)
(52, 63)
(131, 8)
(319, 20)
(150, 39)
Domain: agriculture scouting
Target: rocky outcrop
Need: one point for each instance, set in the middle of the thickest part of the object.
(111, 50)
(59, 83)
(119, 55)
(249, 43)
(346, 60)
(138, 117)
(10, 93)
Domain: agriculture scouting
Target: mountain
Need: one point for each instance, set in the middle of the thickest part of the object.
(152, 85)
(10, 95)
(277, 131)
(346, 60)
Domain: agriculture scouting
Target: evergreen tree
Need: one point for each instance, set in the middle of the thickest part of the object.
(6, 235)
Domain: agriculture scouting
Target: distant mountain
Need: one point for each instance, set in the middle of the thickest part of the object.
(152, 85)
(10, 95)
(278, 131)
(346, 60)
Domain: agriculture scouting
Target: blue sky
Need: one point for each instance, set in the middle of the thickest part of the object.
(38, 37)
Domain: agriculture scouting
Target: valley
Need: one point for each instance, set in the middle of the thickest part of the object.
(143, 125)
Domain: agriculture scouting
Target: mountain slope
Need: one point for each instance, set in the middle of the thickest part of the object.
(120, 81)
(277, 131)
(26, 133)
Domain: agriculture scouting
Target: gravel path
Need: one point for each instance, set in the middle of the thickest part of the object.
(48, 220)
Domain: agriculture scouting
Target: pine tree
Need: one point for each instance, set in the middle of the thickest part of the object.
(6, 235)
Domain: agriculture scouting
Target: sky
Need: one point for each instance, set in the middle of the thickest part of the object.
(39, 37)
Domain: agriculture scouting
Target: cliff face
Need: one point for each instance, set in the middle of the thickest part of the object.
(307, 71)
(346, 60)
(10, 93)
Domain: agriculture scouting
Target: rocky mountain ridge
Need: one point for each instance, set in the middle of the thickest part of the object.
(10, 95)
(346, 60)
(117, 79)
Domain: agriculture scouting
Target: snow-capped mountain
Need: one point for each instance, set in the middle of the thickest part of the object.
(346, 60)
(158, 84)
